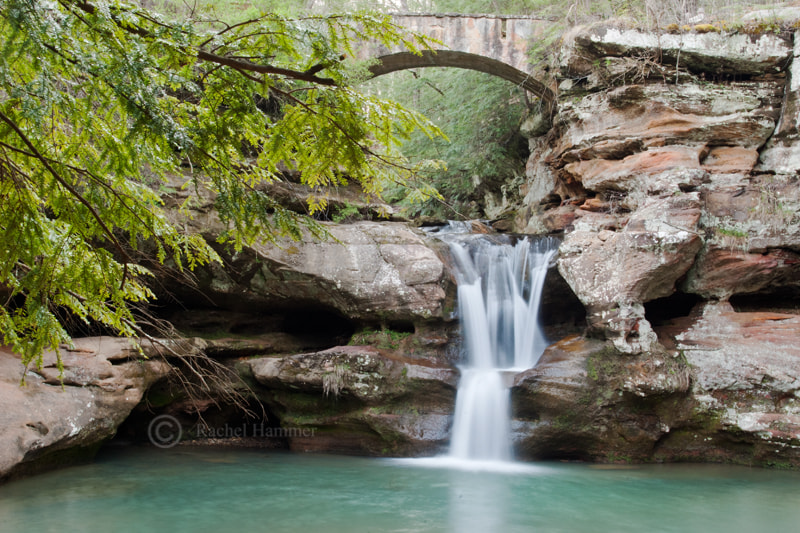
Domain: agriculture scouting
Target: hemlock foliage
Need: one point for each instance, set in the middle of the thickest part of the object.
(93, 94)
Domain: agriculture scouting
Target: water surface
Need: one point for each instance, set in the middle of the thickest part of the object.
(203, 490)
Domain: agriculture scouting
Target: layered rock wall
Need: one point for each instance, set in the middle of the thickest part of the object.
(672, 172)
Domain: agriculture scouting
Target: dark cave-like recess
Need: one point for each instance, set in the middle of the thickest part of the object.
(250, 423)
(786, 302)
(661, 310)
(561, 313)
(312, 326)
(327, 327)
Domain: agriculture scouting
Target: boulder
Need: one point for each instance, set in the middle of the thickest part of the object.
(585, 400)
(368, 271)
(364, 373)
(374, 272)
(50, 422)
(613, 272)
(360, 400)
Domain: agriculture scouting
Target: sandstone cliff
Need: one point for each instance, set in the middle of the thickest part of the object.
(671, 170)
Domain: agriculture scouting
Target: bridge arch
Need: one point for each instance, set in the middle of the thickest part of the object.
(452, 58)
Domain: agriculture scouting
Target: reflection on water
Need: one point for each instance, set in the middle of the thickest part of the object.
(479, 506)
(201, 490)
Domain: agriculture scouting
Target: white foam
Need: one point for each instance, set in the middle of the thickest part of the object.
(448, 462)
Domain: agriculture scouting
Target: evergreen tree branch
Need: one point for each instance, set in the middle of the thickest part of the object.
(75, 194)
(204, 55)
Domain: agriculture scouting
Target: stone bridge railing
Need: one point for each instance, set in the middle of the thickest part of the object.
(504, 38)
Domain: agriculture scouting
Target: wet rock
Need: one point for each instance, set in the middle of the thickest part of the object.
(360, 400)
(725, 389)
(585, 400)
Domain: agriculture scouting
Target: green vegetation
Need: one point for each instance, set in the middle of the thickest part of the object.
(730, 232)
(104, 102)
(481, 115)
(348, 213)
(385, 339)
(603, 363)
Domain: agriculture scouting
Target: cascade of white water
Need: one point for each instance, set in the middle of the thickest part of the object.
(499, 289)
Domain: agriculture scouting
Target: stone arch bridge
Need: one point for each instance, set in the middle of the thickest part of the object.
(493, 44)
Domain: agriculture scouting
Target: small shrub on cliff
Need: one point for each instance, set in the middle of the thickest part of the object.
(385, 339)
(347, 213)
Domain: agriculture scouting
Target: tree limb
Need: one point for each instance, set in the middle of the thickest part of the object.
(46, 164)
(210, 57)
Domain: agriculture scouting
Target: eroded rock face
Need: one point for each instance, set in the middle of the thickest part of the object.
(584, 400)
(368, 271)
(782, 153)
(752, 231)
(613, 273)
(745, 386)
(47, 425)
(739, 54)
(624, 121)
(358, 399)
(657, 173)
(665, 183)
(726, 388)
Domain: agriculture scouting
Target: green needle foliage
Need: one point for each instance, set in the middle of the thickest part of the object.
(92, 94)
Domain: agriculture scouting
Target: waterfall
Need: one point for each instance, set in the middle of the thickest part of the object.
(499, 291)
